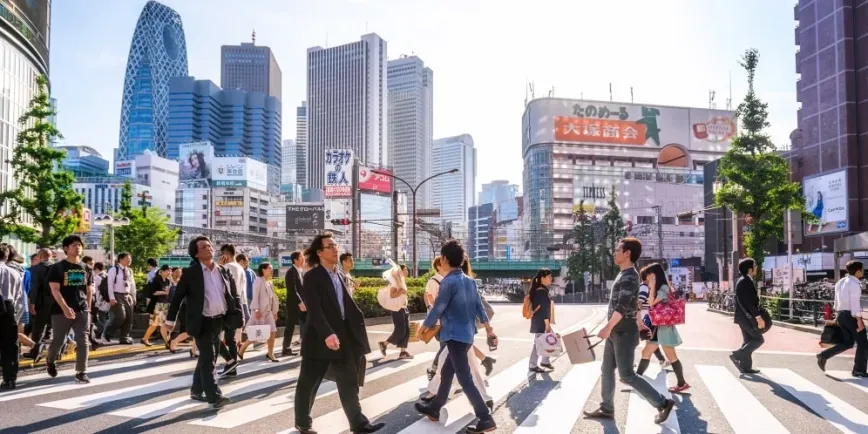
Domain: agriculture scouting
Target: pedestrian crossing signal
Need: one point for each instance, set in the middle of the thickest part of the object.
(341, 222)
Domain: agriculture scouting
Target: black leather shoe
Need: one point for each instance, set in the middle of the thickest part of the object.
(369, 428)
(220, 403)
(599, 414)
(198, 397)
(547, 366)
(488, 364)
(821, 362)
(663, 412)
(859, 374)
(305, 430)
(427, 411)
(288, 353)
(7, 385)
(483, 425)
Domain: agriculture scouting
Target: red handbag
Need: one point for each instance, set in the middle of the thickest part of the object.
(669, 313)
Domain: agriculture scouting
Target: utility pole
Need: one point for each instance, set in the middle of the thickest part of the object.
(659, 211)
(395, 224)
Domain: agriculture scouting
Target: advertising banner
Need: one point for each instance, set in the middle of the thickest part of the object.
(826, 199)
(125, 168)
(338, 173)
(195, 162)
(371, 181)
(239, 172)
(229, 203)
(304, 217)
(602, 122)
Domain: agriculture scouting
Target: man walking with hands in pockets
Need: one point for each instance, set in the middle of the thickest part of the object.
(622, 337)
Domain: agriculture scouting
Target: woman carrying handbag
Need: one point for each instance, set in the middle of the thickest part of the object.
(264, 307)
(665, 336)
(397, 298)
(540, 322)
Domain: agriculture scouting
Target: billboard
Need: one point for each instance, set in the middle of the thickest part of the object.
(826, 199)
(31, 19)
(338, 173)
(371, 181)
(304, 217)
(196, 160)
(126, 168)
(239, 172)
(550, 120)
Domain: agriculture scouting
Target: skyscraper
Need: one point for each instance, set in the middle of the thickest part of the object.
(84, 161)
(250, 67)
(301, 144)
(454, 193)
(411, 119)
(158, 52)
(236, 122)
(498, 191)
(347, 101)
(288, 166)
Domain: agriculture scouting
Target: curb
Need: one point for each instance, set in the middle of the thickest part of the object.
(782, 324)
(113, 350)
(381, 320)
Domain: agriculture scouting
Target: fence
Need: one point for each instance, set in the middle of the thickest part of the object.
(796, 310)
(583, 297)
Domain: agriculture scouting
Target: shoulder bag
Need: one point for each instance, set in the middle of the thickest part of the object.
(767, 318)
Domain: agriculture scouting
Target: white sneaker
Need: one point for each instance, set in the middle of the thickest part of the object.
(665, 364)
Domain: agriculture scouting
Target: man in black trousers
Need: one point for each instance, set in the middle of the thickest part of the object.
(213, 305)
(40, 303)
(747, 317)
(334, 340)
(295, 309)
(848, 307)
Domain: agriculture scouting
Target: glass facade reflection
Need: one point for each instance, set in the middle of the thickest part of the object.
(158, 52)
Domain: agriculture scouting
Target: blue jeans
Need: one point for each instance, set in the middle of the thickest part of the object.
(618, 355)
(457, 365)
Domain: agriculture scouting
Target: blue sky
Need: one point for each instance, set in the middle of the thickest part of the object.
(482, 51)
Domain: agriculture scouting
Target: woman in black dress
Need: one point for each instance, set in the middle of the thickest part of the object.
(540, 322)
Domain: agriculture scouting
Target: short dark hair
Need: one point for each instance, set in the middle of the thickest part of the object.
(241, 257)
(165, 267)
(453, 253)
(87, 260)
(228, 249)
(634, 246)
(344, 256)
(745, 265)
(152, 262)
(174, 269)
(853, 267)
(193, 247)
(262, 267)
(310, 254)
(70, 239)
(98, 266)
(4, 252)
(123, 255)
(295, 255)
(34, 256)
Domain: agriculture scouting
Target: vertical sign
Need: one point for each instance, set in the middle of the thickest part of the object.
(338, 174)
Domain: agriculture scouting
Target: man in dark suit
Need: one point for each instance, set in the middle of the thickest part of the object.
(334, 339)
(213, 305)
(40, 303)
(748, 318)
(295, 308)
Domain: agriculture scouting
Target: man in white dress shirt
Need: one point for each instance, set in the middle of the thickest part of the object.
(848, 305)
(122, 297)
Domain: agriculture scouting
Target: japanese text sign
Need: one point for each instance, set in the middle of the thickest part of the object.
(613, 131)
(338, 174)
(374, 180)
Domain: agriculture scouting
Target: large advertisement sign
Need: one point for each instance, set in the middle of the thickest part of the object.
(304, 217)
(595, 122)
(338, 173)
(125, 168)
(239, 172)
(195, 162)
(31, 19)
(372, 181)
(826, 199)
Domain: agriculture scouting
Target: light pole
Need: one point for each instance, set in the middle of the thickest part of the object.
(111, 222)
(413, 191)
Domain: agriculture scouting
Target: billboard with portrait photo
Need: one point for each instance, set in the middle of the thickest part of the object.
(196, 160)
(826, 200)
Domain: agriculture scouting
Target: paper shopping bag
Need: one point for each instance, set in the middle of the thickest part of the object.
(549, 345)
(579, 348)
(258, 333)
(413, 327)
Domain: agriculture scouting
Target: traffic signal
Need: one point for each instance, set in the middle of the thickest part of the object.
(341, 222)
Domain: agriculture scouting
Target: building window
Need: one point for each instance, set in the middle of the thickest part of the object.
(644, 220)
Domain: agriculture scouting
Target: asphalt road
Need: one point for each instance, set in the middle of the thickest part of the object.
(150, 392)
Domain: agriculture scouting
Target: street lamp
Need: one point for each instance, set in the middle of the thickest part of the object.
(413, 191)
(111, 222)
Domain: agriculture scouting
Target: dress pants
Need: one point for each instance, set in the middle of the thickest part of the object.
(229, 345)
(120, 317)
(848, 326)
(62, 326)
(40, 329)
(752, 341)
(292, 316)
(205, 375)
(9, 343)
(619, 354)
(346, 373)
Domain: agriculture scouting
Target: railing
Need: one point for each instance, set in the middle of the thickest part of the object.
(796, 310)
(583, 297)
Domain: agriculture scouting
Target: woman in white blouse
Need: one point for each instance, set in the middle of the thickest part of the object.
(264, 307)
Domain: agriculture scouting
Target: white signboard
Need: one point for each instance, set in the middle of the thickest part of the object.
(826, 199)
(781, 276)
(338, 173)
(239, 172)
(126, 168)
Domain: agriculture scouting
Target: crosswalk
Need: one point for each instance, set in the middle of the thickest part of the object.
(156, 389)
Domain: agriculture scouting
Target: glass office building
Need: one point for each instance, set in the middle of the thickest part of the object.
(84, 161)
(158, 52)
(236, 122)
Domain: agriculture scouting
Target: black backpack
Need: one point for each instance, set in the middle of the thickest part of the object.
(103, 285)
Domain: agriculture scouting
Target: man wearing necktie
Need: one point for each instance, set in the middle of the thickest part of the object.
(334, 339)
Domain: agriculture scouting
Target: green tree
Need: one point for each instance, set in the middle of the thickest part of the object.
(756, 178)
(43, 189)
(613, 232)
(147, 235)
(585, 258)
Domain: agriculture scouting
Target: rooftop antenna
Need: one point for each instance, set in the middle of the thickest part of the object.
(526, 86)
(253, 36)
(610, 91)
(711, 95)
(729, 100)
(631, 94)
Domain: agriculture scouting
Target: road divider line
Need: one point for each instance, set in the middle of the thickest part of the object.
(559, 411)
(841, 415)
(739, 406)
(640, 414)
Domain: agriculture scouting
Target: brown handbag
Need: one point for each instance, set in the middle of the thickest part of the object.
(429, 334)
